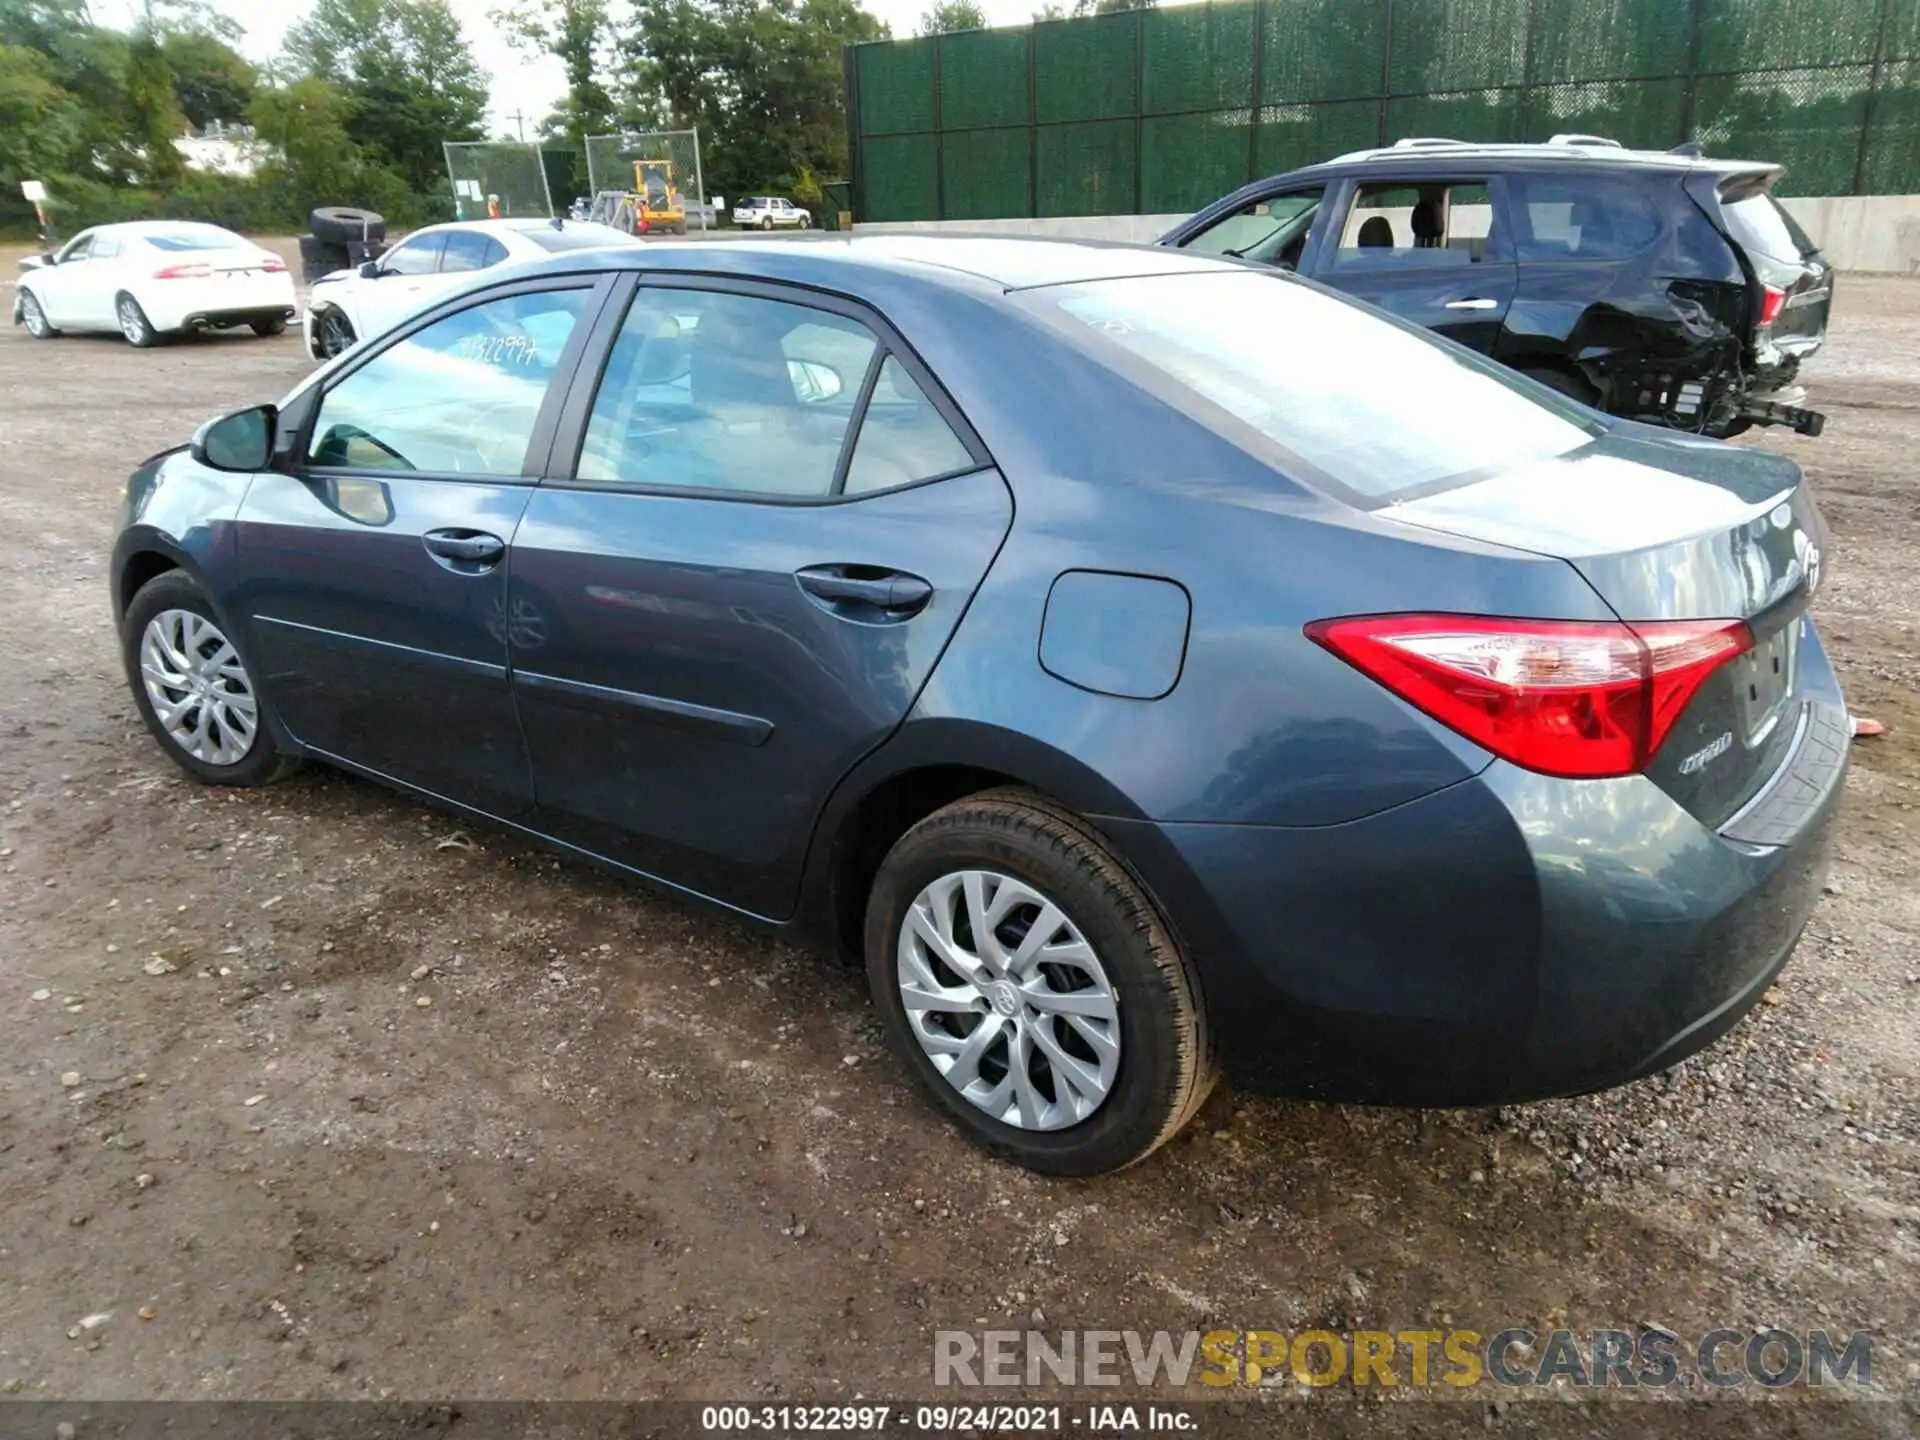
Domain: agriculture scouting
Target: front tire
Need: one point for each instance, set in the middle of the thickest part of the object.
(193, 688)
(34, 318)
(134, 325)
(766, 222)
(1074, 1053)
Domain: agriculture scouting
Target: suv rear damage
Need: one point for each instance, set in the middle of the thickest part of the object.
(1659, 286)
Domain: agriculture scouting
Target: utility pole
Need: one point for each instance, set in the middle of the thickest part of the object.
(520, 124)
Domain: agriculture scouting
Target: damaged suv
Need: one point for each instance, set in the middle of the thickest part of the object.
(1661, 286)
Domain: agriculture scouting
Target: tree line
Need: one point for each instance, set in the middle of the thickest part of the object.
(356, 107)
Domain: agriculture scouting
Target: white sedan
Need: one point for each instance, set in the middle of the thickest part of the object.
(152, 278)
(350, 305)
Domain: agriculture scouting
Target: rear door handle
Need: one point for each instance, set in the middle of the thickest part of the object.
(1475, 302)
(471, 550)
(852, 589)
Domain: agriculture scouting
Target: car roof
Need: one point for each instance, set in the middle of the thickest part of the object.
(1000, 262)
(157, 227)
(1434, 154)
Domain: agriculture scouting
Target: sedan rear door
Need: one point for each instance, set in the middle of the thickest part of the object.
(757, 532)
(1435, 251)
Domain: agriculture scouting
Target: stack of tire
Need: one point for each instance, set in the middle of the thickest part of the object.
(342, 239)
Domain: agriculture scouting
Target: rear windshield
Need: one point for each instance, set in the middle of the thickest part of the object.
(576, 237)
(1361, 404)
(1761, 224)
(177, 240)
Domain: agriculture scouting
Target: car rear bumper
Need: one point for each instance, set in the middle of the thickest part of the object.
(174, 305)
(245, 315)
(1508, 938)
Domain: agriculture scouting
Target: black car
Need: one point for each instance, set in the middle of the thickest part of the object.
(1661, 286)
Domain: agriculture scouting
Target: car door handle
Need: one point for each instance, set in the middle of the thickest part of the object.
(858, 591)
(1476, 302)
(468, 548)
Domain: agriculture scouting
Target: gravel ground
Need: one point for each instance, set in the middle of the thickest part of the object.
(314, 1093)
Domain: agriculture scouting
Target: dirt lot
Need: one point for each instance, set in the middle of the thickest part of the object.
(608, 1146)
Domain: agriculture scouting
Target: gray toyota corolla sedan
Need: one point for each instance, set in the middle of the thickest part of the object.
(1146, 665)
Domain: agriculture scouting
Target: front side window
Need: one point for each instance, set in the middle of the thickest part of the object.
(78, 248)
(419, 256)
(467, 250)
(1589, 217)
(1427, 225)
(1370, 407)
(105, 247)
(713, 391)
(459, 396)
(1273, 231)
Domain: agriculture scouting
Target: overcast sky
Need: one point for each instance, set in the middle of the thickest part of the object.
(529, 85)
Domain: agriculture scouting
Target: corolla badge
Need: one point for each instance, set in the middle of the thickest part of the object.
(1707, 754)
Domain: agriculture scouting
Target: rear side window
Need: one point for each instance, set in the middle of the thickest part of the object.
(902, 438)
(1369, 408)
(1762, 225)
(706, 390)
(1407, 226)
(1594, 217)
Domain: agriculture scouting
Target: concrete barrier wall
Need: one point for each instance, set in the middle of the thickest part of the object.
(1873, 233)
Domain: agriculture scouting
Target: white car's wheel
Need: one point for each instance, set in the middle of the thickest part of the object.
(134, 325)
(34, 318)
(332, 332)
(766, 222)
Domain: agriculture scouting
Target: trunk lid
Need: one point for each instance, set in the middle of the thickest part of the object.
(1667, 527)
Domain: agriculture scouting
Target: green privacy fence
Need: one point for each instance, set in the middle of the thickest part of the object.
(1161, 110)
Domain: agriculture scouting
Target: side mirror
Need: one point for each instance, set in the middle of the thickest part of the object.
(370, 270)
(242, 441)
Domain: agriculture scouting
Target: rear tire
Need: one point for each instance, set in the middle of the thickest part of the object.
(135, 328)
(766, 223)
(34, 318)
(267, 329)
(178, 654)
(1100, 1055)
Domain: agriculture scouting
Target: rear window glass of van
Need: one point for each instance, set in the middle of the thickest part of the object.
(1761, 224)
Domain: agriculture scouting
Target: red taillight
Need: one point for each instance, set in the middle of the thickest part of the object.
(1772, 302)
(1571, 698)
(274, 265)
(194, 271)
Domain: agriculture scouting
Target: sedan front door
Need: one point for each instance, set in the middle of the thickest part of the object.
(754, 541)
(407, 281)
(1436, 252)
(373, 565)
(64, 287)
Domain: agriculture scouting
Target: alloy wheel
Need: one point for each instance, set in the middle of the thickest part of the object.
(198, 687)
(34, 317)
(133, 324)
(1008, 1000)
(335, 334)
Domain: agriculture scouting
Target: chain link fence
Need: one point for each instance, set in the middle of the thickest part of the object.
(1161, 110)
(497, 179)
(630, 163)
